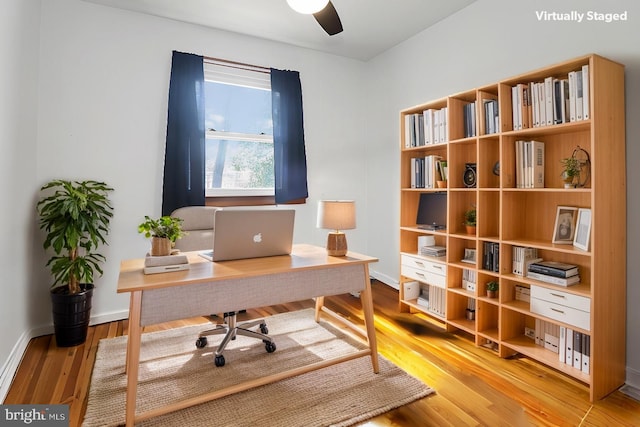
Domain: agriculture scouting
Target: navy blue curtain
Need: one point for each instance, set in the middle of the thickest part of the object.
(183, 183)
(288, 137)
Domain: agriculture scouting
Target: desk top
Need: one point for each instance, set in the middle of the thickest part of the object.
(303, 257)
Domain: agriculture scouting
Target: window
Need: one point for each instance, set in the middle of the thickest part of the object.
(239, 131)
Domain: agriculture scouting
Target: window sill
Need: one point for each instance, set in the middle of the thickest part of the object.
(225, 201)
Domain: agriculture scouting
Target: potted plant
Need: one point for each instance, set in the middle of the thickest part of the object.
(163, 231)
(492, 289)
(75, 215)
(470, 220)
(571, 171)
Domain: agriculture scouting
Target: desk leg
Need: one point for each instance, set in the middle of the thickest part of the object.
(133, 357)
(319, 305)
(366, 298)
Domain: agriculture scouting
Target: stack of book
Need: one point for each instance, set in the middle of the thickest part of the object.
(491, 257)
(165, 264)
(435, 251)
(556, 273)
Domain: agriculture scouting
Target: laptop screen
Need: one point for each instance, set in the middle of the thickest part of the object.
(241, 233)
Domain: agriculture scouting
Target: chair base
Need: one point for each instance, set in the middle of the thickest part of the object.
(230, 329)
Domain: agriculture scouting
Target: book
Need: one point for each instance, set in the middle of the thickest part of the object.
(585, 92)
(554, 280)
(553, 268)
(568, 353)
(577, 350)
(165, 268)
(579, 96)
(586, 354)
(562, 344)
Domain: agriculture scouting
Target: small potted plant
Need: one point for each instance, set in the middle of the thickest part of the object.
(570, 172)
(492, 289)
(163, 231)
(470, 220)
(470, 314)
(75, 216)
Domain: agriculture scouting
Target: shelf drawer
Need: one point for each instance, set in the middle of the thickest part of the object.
(424, 264)
(562, 313)
(562, 298)
(424, 276)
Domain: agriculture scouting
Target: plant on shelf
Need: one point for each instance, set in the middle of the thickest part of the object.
(492, 289)
(470, 220)
(163, 231)
(75, 215)
(571, 171)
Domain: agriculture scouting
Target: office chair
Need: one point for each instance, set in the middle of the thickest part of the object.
(198, 222)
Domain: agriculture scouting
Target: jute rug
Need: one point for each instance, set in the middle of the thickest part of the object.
(172, 369)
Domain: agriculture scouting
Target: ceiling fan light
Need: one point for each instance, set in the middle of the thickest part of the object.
(307, 7)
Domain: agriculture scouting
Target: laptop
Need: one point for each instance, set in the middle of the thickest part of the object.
(241, 233)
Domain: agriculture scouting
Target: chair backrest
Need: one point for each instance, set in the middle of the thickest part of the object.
(198, 223)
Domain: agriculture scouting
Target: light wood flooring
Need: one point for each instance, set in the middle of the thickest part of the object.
(473, 386)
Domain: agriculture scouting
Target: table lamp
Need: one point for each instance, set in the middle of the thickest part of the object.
(337, 215)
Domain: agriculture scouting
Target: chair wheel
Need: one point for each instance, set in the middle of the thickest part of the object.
(264, 329)
(270, 347)
(219, 360)
(201, 342)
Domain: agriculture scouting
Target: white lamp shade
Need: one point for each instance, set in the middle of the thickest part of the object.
(337, 214)
(307, 6)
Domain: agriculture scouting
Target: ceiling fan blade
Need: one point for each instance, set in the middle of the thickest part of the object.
(329, 20)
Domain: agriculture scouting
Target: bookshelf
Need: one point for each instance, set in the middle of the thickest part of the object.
(509, 216)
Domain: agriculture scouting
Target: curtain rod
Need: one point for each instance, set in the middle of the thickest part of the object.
(234, 64)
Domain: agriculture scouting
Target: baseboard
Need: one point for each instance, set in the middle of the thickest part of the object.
(11, 365)
(633, 378)
(387, 280)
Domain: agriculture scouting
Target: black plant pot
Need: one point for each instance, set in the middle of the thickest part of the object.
(71, 314)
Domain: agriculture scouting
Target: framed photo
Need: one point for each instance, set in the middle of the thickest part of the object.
(565, 227)
(583, 229)
(469, 256)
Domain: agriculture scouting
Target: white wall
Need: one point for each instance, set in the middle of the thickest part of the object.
(100, 110)
(19, 38)
(104, 77)
(482, 44)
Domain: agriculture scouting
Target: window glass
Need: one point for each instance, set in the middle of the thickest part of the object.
(239, 140)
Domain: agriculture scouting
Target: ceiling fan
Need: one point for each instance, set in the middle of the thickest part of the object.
(322, 10)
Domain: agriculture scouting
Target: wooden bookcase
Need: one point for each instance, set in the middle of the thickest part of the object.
(508, 216)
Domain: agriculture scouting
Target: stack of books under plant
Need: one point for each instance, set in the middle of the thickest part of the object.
(553, 272)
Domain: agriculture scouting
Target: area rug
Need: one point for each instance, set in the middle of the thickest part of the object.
(172, 369)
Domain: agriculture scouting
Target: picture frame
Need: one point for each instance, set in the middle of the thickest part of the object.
(582, 235)
(469, 256)
(565, 227)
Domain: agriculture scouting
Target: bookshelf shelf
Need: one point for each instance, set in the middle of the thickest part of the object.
(482, 131)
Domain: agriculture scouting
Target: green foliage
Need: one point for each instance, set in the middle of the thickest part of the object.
(493, 286)
(166, 226)
(76, 219)
(258, 161)
(470, 217)
(571, 167)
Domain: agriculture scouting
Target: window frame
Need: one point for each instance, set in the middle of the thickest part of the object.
(238, 75)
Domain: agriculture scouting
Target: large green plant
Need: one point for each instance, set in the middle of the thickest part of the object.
(76, 219)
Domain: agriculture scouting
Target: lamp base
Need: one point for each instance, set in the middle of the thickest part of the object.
(336, 244)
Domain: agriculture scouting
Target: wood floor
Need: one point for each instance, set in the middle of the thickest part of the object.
(473, 386)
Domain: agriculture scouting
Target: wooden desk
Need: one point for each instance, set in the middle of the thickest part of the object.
(209, 287)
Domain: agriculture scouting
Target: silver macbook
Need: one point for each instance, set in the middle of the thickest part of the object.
(251, 233)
